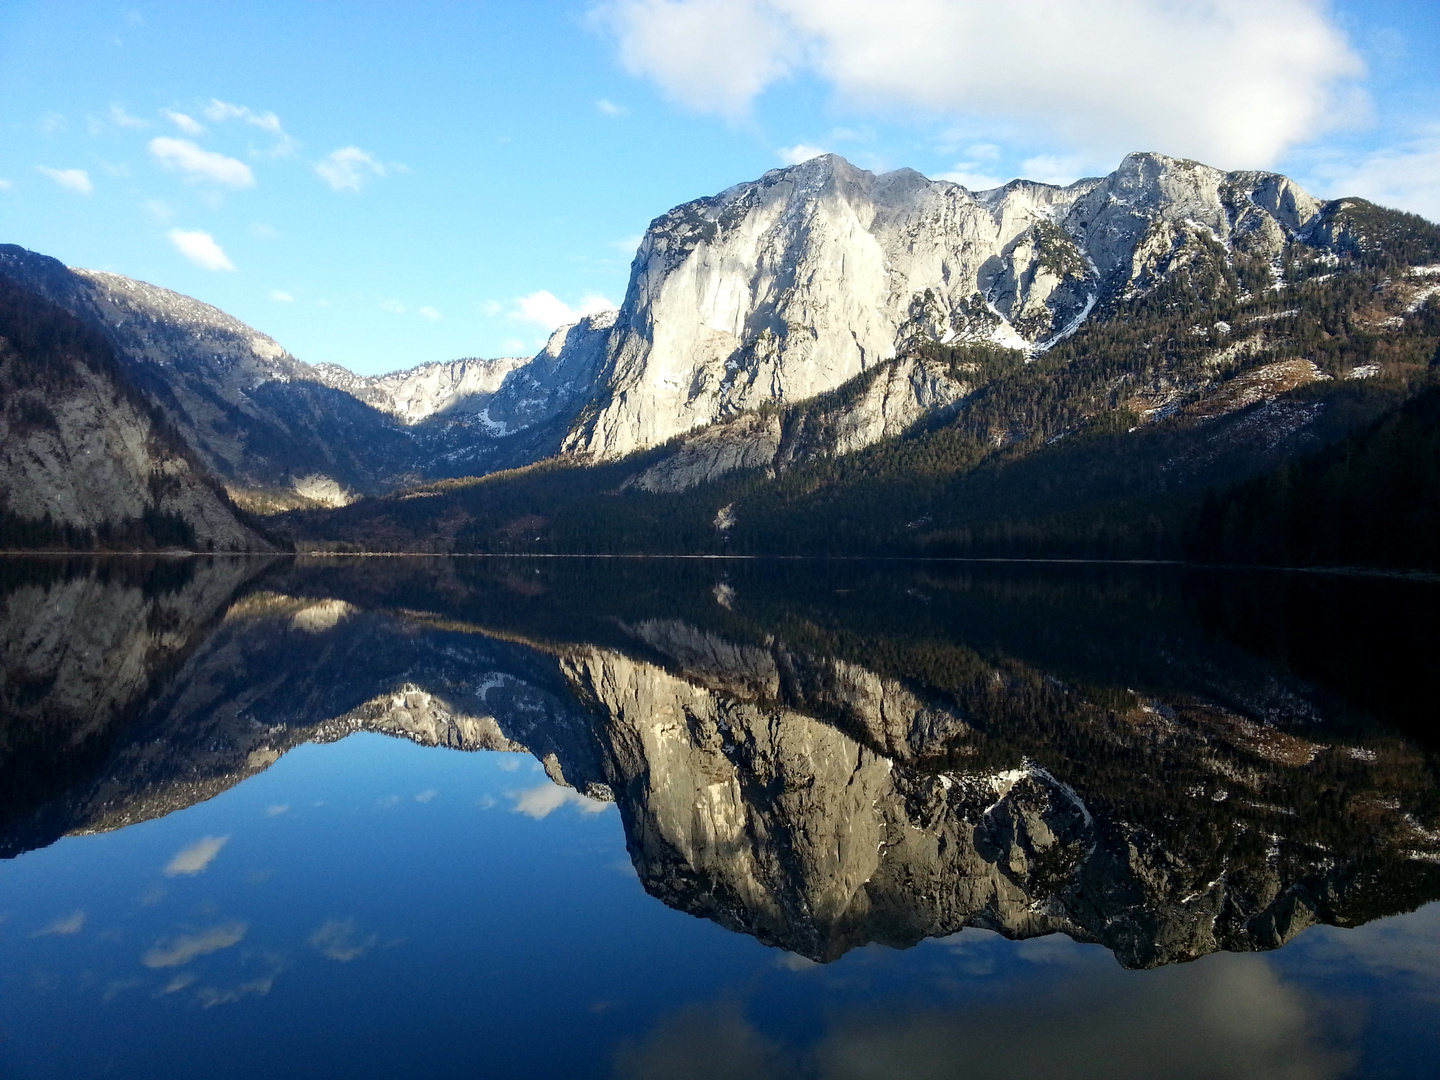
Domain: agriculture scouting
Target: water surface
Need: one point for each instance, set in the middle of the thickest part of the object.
(679, 818)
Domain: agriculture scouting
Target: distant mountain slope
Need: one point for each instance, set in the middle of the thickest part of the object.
(85, 460)
(281, 432)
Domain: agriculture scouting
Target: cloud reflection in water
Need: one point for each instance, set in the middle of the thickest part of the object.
(1225, 1017)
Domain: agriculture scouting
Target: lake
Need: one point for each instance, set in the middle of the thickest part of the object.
(478, 817)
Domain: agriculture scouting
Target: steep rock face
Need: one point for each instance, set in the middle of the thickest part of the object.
(885, 401)
(782, 289)
(83, 458)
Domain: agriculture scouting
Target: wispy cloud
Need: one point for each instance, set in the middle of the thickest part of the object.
(1405, 175)
(394, 307)
(69, 925)
(185, 122)
(431, 314)
(195, 858)
(964, 173)
(117, 116)
(349, 168)
(181, 949)
(196, 163)
(218, 112)
(5, 185)
(76, 180)
(541, 802)
(1058, 169)
(341, 941)
(794, 155)
(608, 108)
(546, 310)
(280, 296)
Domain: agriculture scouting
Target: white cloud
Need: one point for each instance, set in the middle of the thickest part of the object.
(627, 245)
(540, 802)
(181, 949)
(393, 306)
(1229, 81)
(120, 118)
(280, 296)
(219, 111)
(609, 108)
(1405, 176)
(279, 808)
(263, 231)
(710, 55)
(195, 858)
(964, 173)
(428, 312)
(70, 924)
(180, 982)
(490, 308)
(1060, 169)
(77, 180)
(339, 940)
(5, 185)
(513, 347)
(794, 155)
(187, 124)
(348, 168)
(184, 156)
(548, 311)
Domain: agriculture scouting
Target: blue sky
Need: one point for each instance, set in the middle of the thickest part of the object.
(380, 185)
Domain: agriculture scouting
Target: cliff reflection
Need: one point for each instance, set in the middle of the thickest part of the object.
(818, 756)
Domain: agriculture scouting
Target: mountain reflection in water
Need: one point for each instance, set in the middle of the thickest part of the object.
(822, 756)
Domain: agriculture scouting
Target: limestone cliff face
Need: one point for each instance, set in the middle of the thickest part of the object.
(787, 287)
(86, 461)
(886, 401)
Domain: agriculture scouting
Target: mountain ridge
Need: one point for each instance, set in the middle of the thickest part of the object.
(825, 314)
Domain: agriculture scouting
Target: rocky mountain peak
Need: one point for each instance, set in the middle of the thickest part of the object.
(780, 289)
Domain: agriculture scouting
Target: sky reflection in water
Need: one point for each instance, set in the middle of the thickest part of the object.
(373, 907)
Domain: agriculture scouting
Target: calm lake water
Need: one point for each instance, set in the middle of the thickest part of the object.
(697, 818)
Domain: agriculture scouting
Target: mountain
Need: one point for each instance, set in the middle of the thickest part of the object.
(1194, 329)
(827, 359)
(278, 432)
(809, 755)
(782, 289)
(85, 460)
